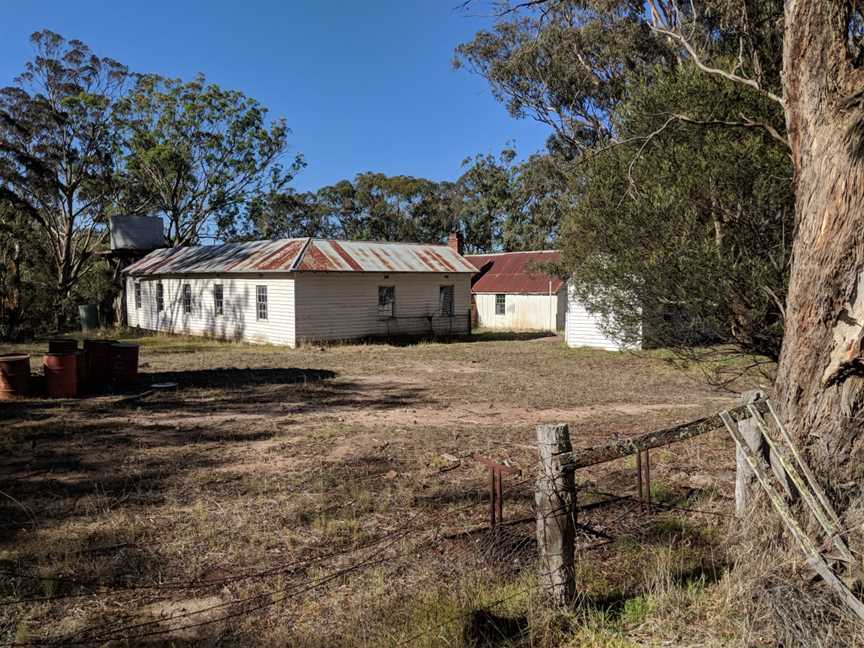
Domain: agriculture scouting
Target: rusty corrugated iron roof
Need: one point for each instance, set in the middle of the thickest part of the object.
(302, 255)
(515, 272)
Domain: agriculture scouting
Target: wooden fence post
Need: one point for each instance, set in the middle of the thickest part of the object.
(745, 478)
(555, 498)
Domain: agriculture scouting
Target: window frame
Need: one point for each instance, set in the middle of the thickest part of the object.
(137, 294)
(160, 297)
(219, 300)
(442, 290)
(501, 304)
(388, 309)
(261, 305)
(186, 298)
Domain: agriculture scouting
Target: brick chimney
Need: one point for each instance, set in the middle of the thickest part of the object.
(454, 242)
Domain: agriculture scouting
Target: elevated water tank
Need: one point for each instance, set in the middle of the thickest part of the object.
(136, 233)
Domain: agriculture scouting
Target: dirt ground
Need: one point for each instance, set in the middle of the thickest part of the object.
(326, 495)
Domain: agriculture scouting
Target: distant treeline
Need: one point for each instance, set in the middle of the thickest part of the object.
(496, 205)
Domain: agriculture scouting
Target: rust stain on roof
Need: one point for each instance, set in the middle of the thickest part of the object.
(345, 256)
(284, 255)
(441, 260)
(383, 260)
(515, 272)
(315, 260)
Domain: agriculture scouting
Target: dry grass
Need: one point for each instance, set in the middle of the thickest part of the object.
(302, 497)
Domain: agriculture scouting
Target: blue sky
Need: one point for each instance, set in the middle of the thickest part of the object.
(365, 85)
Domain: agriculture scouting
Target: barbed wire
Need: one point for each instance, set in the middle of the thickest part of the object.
(276, 596)
(107, 588)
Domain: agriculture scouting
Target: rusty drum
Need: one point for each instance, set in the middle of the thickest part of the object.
(62, 345)
(124, 364)
(14, 375)
(82, 372)
(97, 357)
(61, 374)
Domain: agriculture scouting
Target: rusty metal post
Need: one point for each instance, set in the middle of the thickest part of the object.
(639, 480)
(500, 489)
(496, 487)
(492, 497)
(647, 480)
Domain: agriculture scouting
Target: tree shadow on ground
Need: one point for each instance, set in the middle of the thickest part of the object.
(237, 378)
(62, 461)
(485, 629)
(415, 340)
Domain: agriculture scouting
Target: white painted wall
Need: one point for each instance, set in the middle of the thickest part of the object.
(341, 306)
(523, 312)
(583, 328)
(239, 321)
(303, 306)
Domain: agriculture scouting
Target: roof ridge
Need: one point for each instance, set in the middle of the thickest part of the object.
(300, 255)
(485, 254)
(383, 242)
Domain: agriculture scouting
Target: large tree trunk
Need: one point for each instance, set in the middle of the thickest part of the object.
(820, 382)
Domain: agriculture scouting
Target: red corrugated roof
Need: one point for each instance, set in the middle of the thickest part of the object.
(514, 272)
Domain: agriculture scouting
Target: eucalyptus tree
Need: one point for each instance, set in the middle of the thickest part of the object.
(674, 191)
(59, 145)
(197, 153)
(485, 199)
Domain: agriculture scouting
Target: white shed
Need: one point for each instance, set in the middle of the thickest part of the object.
(583, 328)
(295, 290)
(511, 291)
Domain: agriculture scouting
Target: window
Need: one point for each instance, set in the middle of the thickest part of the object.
(445, 300)
(137, 295)
(160, 297)
(187, 298)
(386, 299)
(261, 302)
(500, 304)
(218, 304)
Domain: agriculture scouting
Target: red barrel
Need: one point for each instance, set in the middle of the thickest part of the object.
(97, 356)
(124, 364)
(61, 374)
(14, 375)
(62, 345)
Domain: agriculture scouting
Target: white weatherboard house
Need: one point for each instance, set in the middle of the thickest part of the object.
(295, 290)
(511, 291)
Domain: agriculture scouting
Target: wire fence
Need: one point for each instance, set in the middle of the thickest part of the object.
(420, 533)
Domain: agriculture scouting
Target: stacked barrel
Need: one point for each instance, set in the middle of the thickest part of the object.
(14, 375)
(68, 372)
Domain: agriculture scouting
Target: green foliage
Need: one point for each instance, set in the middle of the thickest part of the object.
(197, 154)
(674, 200)
(80, 142)
(58, 146)
(496, 204)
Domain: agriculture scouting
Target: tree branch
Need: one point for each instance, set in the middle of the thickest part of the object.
(745, 122)
(697, 61)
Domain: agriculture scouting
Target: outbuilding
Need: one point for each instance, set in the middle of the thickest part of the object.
(515, 291)
(302, 290)
(512, 291)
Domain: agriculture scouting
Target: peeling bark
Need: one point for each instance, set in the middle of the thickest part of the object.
(819, 381)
